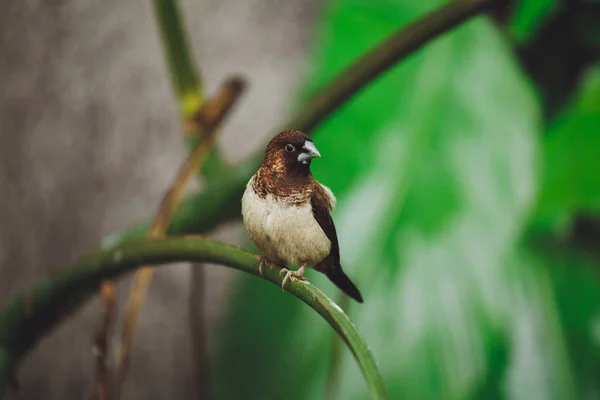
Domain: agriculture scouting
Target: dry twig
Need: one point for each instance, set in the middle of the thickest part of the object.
(109, 300)
(205, 123)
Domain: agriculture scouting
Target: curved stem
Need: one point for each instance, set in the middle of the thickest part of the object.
(382, 57)
(30, 315)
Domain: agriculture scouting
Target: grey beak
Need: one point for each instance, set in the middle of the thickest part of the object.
(309, 151)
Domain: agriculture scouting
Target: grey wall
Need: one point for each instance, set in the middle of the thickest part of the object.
(89, 141)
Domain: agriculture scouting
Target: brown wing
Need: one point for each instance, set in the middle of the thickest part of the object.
(330, 265)
(321, 207)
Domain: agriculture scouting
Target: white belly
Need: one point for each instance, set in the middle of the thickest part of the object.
(284, 234)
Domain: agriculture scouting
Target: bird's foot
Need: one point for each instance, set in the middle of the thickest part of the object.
(264, 261)
(292, 276)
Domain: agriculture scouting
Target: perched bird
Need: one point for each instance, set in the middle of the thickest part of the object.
(287, 213)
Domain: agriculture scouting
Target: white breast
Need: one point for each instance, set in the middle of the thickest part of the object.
(285, 234)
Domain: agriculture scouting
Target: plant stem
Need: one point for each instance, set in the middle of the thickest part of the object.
(108, 293)
(185, 80)
(384, 56)
(33, 313)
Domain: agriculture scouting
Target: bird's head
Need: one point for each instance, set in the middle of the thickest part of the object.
(290, 153)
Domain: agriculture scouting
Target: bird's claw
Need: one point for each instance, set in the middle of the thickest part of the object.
(292, 276)
(264, 261)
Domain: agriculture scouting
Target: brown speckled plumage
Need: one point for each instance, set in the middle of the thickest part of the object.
(279, 176)
(287, 212)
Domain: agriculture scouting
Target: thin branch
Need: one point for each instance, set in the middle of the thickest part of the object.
(184, 79)
(219, 201)
(33, 313)
(187, 86)
(209, 119)
(384, 56)
(109, 295)
(108, 292)
(197, 331)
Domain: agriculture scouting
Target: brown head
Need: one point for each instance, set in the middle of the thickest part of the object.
(289, 154)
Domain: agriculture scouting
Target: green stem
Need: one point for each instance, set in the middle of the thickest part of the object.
(33, 313)
(181, 68)
(331, 388)
(184, 79)
(382, 57)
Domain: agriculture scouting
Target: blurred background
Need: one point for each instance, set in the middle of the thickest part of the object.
(467, 178)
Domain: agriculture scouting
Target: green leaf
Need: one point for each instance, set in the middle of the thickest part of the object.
(571, 180)
(560, 52)
(576, 285)
(529, 15)
(434, 166)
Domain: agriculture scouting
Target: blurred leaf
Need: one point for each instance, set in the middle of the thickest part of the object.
(434, 166)
(577, 297)
(571, 180)
(529, 15)
(569, 201)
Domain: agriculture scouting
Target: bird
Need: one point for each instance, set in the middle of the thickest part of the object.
(287, 213)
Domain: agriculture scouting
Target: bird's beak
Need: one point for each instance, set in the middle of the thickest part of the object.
(308, 151)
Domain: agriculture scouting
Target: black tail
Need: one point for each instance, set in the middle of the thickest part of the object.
(341, 280)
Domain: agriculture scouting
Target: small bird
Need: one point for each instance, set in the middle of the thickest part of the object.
(287, 213)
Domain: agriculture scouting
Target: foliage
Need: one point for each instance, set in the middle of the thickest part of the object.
(529, 15)
(442, 169)
(558, 54)
(571, 146)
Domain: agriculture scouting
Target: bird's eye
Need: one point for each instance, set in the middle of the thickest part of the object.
(290, 148)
